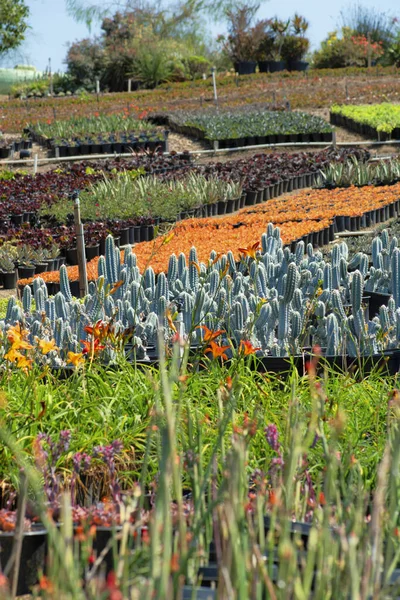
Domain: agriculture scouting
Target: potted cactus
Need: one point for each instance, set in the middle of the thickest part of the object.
(7, 267)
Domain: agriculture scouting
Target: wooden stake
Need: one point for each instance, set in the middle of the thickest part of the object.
(80, 245)
(214, 86)
(35, 163)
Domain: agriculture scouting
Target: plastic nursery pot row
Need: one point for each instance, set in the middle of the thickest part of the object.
(15, 146)
(363, 128)
(293, 138)
(127, 235)
(248, 67)
(145, 232)
(8, 279)
(344, 223)
(83, 149)
(35, 554)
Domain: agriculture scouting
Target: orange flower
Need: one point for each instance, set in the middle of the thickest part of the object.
(75, 358)
(116, 287)
(246, 348)
(91, 347)
(251, 251)
(209, 335)
(217, 351)
(96, 330)
(46, 346)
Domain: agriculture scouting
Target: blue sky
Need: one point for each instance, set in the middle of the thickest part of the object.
(52, 29)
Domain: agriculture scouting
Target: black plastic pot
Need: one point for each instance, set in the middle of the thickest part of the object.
(24, 272)
(221, 207)
(297, 65)
(74, 287)
(72, 256)
(124, 235)
(32, 557)
(17, 219)
(276, 65)
(4, 152)
(376, 300)
(9, 280)
(92, 251)
(246, 67)
(144, 233)
(230, 206)
(251, 198)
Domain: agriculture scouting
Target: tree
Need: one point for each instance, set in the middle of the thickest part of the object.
(13, 24)
(86, 62)
(371, 23)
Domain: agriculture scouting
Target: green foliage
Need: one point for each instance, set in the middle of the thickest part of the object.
(196, 66)
(86, 62)
(35, 87)
(13, 24)
(153, 66)
(346, 49)
(233, 125)
(81, 127)
(130, 196)
(383, 117)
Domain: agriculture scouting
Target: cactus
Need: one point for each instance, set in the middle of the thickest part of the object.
(376, 250)
(172, 269)
(357, 287)
(332, 327)
(395, 266)
(101, 267)
(111, 263)
(283, 321)
(291, 283)
(64, 284)
(27, 299)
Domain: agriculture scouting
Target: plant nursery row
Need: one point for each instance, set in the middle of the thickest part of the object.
(249, 127)
(380, 121)
(118, 199)
(98, 135)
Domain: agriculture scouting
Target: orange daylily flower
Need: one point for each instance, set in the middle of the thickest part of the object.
(116, 287)
(75, 358)
(24, 363)
(246, 348)
(95, 330)
(210, 335)
(217, 351)
(46, 346)
(92, 347)
(13, 354)
(251, 251)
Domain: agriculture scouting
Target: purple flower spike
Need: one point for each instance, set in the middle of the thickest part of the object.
(272, 436)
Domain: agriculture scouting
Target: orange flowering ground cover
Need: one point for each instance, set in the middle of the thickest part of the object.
(296, 215)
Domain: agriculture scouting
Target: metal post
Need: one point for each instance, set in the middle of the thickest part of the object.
(97, 86)
(35, 163)
(214, 86)
(334, 138)
(129, 85)
(80, 245)
(347, 90)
